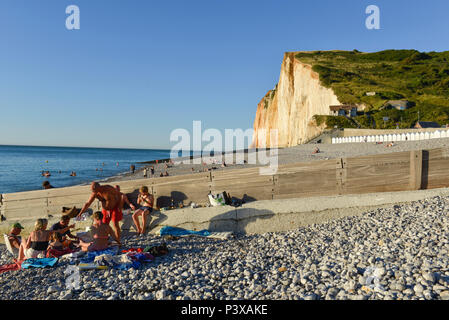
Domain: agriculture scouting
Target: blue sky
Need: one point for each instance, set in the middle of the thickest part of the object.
(138, 69)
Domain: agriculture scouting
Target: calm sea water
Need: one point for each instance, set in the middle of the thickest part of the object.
(21, 166)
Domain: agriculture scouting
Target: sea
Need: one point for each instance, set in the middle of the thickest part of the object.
(21, 166)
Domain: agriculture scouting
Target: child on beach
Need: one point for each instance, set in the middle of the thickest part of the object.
(145, 200)
(56, 247)
(55, 243)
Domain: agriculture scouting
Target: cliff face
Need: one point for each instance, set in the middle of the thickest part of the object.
(290, 107)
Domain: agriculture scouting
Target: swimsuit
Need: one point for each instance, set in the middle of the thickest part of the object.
(39, 245)
(149, 208)
(115, 215)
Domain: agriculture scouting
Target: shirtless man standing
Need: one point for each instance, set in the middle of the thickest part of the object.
(111, 202)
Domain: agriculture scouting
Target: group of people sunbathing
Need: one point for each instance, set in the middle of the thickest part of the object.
(58, 240)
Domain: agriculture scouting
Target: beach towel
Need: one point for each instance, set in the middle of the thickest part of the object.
(73, 258)
(104, 260)
(133, 250)
(120, 262)
(167, 230)
(54, 253)
(141, 257)
(39, 263)
(90, 256)
(9, 267)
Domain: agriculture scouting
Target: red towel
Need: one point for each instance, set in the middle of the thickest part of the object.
(53, 253)
(9, 267)
(138, 250)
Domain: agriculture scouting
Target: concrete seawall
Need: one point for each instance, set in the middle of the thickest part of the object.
(282, 215)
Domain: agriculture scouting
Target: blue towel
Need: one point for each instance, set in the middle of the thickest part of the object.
(39, 263)
(90, 257)
(173, 231)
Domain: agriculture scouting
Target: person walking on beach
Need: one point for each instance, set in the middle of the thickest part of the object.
(152, 171)
(145, 172)
(111, 200)
(132, 168)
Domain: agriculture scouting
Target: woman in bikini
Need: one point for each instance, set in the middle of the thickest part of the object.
(37, 243)
(100, 233)
(145, 200)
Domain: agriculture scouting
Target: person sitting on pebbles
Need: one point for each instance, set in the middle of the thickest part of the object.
(37, 243)
(316, 150)
(100, 233)
(14, 237)
(146, 201)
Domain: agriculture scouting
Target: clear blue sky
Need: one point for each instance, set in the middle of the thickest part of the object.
(137, 69)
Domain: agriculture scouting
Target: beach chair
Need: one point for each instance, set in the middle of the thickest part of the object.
(8, 245)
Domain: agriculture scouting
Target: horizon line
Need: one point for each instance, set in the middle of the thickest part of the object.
(49, 146)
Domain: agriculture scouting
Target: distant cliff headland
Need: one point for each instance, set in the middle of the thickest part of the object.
(350, 89)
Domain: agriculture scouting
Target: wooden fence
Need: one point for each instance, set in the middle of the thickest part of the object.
(401, 171)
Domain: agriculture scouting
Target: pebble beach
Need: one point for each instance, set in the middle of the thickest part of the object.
(396, 252)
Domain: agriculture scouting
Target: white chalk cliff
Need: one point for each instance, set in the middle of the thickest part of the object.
(290, 107)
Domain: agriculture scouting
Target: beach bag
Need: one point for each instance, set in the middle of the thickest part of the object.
(217, 199)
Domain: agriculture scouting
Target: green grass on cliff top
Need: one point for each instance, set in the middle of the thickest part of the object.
(422, 78)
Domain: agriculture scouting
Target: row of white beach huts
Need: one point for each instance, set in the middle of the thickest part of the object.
(409, 136)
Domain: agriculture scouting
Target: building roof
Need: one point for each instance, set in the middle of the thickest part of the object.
(398, 103)
(342, 107)
(428, 124)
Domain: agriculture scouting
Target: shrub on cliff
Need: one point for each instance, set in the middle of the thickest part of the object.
(332, 121)
(392, 74)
